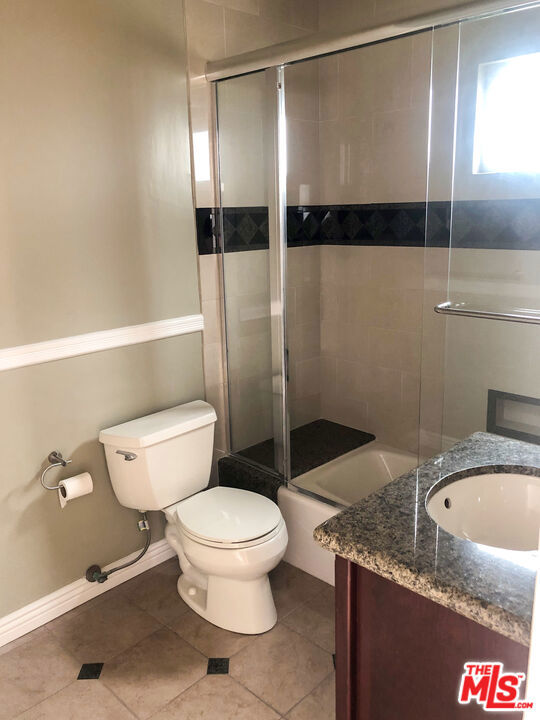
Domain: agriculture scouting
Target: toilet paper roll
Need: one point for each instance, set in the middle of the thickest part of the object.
(74, 487)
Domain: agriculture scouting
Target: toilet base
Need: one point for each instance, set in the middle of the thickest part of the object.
(242, 606)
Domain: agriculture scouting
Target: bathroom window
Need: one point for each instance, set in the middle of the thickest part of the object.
(201, 156)
(506, 134)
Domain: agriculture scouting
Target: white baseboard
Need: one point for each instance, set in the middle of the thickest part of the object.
(47, 608)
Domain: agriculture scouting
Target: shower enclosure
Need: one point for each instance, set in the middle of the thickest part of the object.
(359, 190)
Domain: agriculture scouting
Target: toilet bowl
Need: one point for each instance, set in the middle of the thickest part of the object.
(225, 571)
(227, 540)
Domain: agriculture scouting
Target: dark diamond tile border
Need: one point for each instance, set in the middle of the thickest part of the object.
(90, 671)
(487, 224)
(218, 666)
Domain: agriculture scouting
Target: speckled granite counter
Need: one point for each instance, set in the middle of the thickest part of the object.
(391, 534)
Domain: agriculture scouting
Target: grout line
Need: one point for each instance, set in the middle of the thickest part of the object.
(45, 698)
(311, 692)
(304, 696)
(131, 712)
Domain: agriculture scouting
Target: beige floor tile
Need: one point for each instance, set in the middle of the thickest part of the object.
(82, 700)
(212, 641)
(281, 667)
(31, 672)
(315, 620)
(319, 704)
(156, 592)
(40, 632)
(216, 697)
(152, 673)
(292, 587)
(104, 630)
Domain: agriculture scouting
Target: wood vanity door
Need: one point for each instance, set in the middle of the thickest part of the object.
(400, 656)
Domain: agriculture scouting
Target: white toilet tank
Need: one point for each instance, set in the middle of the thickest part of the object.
(173, 455)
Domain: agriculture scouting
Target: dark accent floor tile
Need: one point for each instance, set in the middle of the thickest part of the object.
(312, 445)
(90, 671)
(218, 666)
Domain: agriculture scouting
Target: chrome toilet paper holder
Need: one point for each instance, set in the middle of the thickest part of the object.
(56, 460)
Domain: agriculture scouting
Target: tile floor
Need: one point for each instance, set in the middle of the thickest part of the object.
(155, 658)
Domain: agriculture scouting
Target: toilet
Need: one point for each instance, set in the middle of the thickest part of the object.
(227, 540)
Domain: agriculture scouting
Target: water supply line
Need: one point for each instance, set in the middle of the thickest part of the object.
(96, 574)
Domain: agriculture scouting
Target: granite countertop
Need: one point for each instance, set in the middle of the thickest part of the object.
(390, 533)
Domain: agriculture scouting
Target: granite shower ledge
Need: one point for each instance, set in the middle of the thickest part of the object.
(391, 534)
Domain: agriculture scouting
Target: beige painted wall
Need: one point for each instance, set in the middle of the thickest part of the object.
(94, 143)
(97, 231)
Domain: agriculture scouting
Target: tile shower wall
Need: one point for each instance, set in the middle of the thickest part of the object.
(373, 111)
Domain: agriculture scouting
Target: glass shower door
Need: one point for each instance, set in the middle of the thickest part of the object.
(483, 233)
(357, 131)
(251, 220)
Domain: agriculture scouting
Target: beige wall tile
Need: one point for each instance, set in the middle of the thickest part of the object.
(244, 32)
(302, 162)
(303, 265)
(205, 31)
(345, 411)
(398, 267)
(328, 375)
(216, 395)
(304, 410)
(308, 377)
(202, 151)
(399, 155)
(300, 13)
(247, 6)
(211, 311)
(346, 161)
(210, 277)
(308, 303)
(213, 365)
(386, 10)
(376, 78)
(329, 88)
(342, 15)
(302, 90)
(306, 342)
(242, 112)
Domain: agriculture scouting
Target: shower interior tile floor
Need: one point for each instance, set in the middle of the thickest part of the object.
(138, 651)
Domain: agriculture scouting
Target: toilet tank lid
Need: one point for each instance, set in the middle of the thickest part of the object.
(160, 426)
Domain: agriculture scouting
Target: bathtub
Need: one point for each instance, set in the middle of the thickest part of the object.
(337, 484)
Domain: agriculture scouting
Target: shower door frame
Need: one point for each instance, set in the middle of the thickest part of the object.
(275, 152)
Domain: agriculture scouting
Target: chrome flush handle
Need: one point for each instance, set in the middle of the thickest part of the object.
(127, 455)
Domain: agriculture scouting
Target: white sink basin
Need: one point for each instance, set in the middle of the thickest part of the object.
(498, 509)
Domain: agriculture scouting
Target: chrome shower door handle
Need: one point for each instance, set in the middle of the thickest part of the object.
(127, 455)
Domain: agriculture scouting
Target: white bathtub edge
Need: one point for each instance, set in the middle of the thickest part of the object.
(302, 514)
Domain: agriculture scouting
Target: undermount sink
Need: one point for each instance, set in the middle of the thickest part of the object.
(501, 509)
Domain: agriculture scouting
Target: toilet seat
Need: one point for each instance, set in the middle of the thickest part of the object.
(234, 546)
(227, 518)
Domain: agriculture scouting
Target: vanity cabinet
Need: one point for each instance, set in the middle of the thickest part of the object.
(400, 656)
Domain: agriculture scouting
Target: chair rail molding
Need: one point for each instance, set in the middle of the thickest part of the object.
(67, 347)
